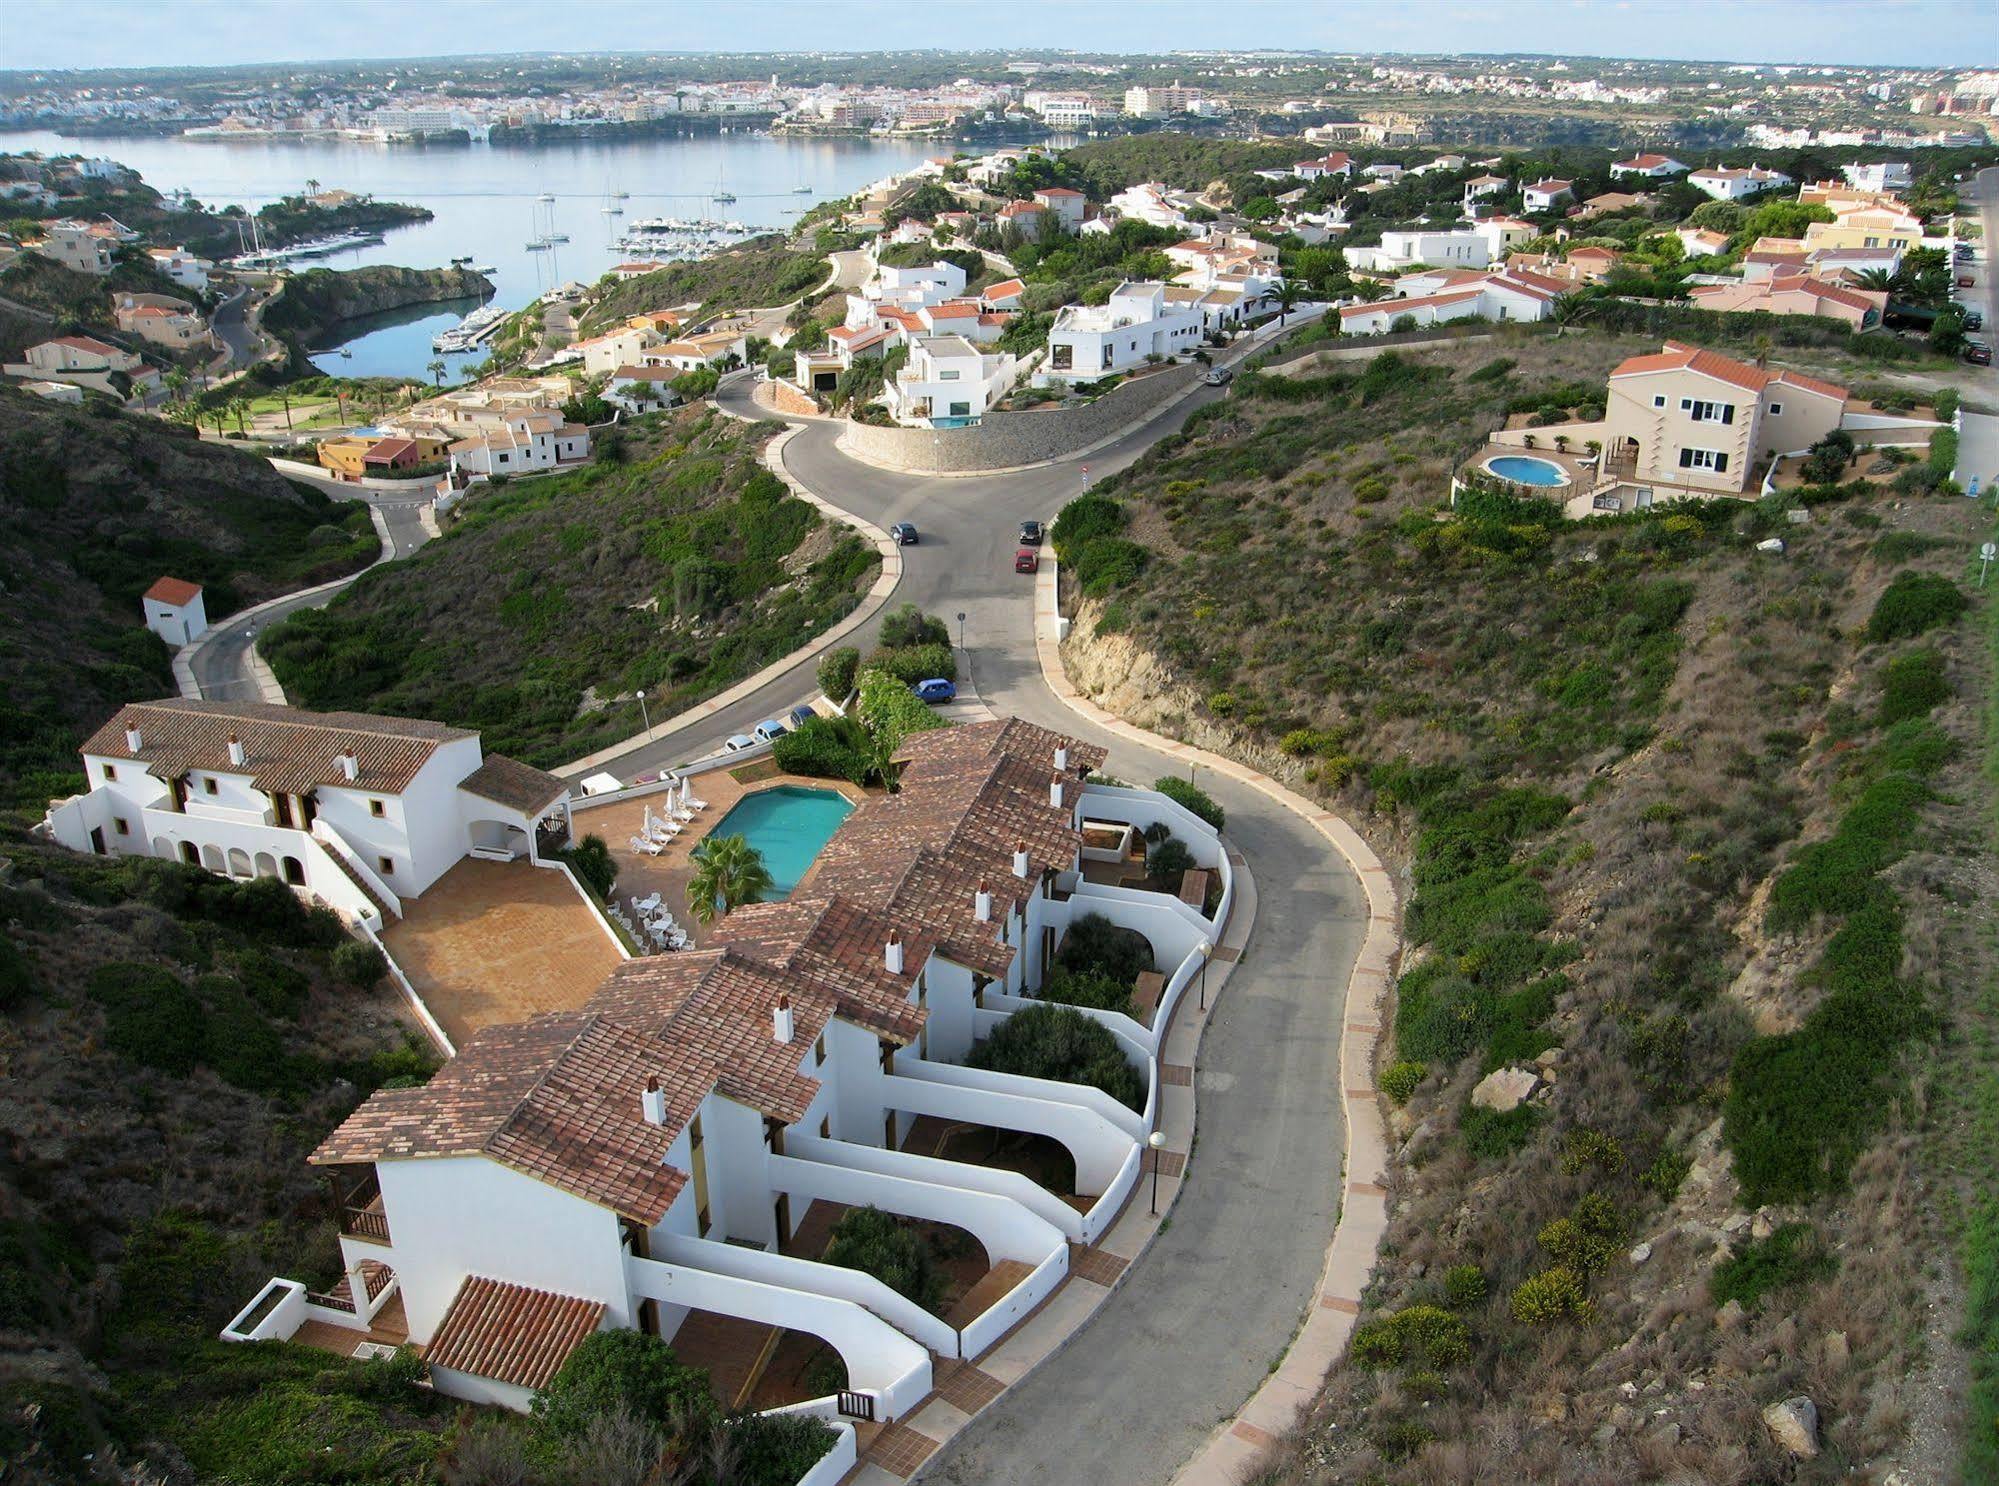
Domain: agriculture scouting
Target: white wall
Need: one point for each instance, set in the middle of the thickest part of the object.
(1006, 1229)
(1098, 1141)
(421, 830)
(454, 1216)
(475, 1389)
(1030, 1194)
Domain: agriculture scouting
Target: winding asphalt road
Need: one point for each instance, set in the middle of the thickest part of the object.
(1211, 1306)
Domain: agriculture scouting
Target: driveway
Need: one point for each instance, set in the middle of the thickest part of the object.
(1214, 1302)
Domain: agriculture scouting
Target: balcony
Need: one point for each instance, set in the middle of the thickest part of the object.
(197, 809)
(359, 1207)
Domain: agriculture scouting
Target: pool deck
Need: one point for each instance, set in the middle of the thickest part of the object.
(667, 874)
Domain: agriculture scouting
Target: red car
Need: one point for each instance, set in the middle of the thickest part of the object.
(1026, 560)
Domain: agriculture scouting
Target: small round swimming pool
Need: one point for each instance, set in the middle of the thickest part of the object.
(1524, 469)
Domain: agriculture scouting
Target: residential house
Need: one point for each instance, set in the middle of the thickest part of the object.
(1025, 217)
(396, 453)
(633, 270)
(1388, 172)
(1506, 296)
(181, 266)
(709, 350)
(1067, 206)
(1734, 184)
(1005, 295)
(85, 361)
(160, 320)
(1481, 186)
(948, 382)
(621, 347)
(1502, 234)
(648, 1159)
(1795, 293)
(1773, 255)
(965, 317)
(1405, 249)
(75, 246)
(1336, 163)
(1649, 167)
(641, 389)
(1609, 203)
(355, 810)
(1867, 227)
(909, 289)
(1137, 325)
(1547, 195)
(63, 392)
(517, 443)
(1701, 242)
(1152, 203)
(1880, 175)
(174, 611)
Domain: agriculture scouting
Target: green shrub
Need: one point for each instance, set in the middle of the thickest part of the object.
(1944, 403)
(1399, 1080)
(1059, 1042)
(1913, 603)
(363, 965)
(1191, 797)
(913, 663)
(1093, 945)
(825, 748)
(909, 625)
(1553, 1295)
(17, 975)
(876, 1243)
(1086, 519)
(612, 1370)
(1464, 1285)
(1911, 685)
(890, 712)
(1584, 1148)
(238, 1043)
(1168, 860)
(1418, 1335)
(1791, 1256)
(275, 986)
(1665, 1174)
(1492, 1136)
(778, 1449)
(1086, 988)
(150, 1016)
(1589, 1238)
(837, 669)
(1106, 563)
(590, 859)
(1837, 875)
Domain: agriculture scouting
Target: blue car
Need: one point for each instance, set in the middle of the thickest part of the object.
(769, 730)
(799, 716)
(936, 689)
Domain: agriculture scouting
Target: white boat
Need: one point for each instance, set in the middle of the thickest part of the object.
(484, 268)
(801, 190)
(558, 237)
(539, 245)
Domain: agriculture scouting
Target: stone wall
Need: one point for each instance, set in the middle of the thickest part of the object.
(1004, 440)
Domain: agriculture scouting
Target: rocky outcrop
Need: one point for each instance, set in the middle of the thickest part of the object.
(1794, 1424)
(310, 304)
(1503, 1089)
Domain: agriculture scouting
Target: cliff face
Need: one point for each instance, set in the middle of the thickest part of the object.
(312, 302)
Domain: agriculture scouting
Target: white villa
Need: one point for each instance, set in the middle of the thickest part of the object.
(948, 382)
(1733, 185)
(1438, 299)
(1406, 249)
(907, 289)
(357, 811)
(1139, 323)
(647, 1159)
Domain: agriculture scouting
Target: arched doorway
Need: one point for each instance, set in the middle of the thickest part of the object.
(267, 865)
(190, 853)
(212, 859)
(294, 872)
(239, 862)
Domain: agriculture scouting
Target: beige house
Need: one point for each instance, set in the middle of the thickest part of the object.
(84, 361)
(1869, 227)
(164, 321)
(1795, 294)
(75, 246)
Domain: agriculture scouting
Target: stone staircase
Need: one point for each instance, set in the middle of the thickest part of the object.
(389, 915)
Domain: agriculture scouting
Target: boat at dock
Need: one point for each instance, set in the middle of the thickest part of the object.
(470, 331)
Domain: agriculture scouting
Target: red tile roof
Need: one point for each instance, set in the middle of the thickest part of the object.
(1057, 191)
(1680, 357)
(174, 591)
(509, 1333)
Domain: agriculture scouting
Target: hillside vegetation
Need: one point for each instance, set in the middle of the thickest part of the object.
(676, 564)
(94, 506)
(763, 272)
(1671, 814)
(73, 302)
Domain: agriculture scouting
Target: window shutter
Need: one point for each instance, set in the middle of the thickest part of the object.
(1728, 412)
(1721, 464)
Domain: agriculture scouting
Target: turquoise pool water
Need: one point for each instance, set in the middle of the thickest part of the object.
(1523, 470)
(790, 825)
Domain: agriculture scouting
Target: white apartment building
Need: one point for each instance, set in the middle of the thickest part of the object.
(1157, 102)
(1881, 176)
(648, 1159)
(355, 810)
(519, 444)
(1733, 185)
(621, 347)
(181, 266)
(948, 382)
(1463, 297)
(906, 289)
(1138, 324)
(1405, 249)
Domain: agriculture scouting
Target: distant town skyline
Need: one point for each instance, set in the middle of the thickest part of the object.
(51, 34)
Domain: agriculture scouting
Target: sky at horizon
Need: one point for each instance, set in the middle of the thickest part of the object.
(48, 34)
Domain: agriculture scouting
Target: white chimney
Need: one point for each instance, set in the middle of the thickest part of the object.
(133, 742)
(653, 1102)
(982, 902)
(236, 754)
(1055, 791)
(781, 1019)
(892, 953)
(350, 766)
(1020, 861)
(1061, 759)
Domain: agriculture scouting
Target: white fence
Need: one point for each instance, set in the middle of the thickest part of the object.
(1005, 1228)
(997, 1320)
(1098, 1143)
(1030, 1194)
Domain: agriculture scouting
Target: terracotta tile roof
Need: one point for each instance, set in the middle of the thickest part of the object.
(1415, 302)
(557, 1098)
(1004, 289)
(1679, 357)
(1057, 191)
(1644, 162)
(390, 449)
(518, 786)
(87, 343)
(287, 751)
(173, 591)
(510, 1333)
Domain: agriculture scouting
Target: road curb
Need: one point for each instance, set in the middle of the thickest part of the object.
(871, 602)
(1238, 1444)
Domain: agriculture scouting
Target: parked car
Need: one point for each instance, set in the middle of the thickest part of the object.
(904, 533)
(936, 689)
(1031, 533)
(739, 741)
(1027, 560)
(1221, 376)
(797, 717)
(1973, 320)
(1978, 353)
(770, 730)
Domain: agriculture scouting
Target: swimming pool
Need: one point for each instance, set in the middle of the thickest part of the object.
(1523, 469)
(790, 825)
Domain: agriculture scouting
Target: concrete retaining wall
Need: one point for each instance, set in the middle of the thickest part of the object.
(1004, 440)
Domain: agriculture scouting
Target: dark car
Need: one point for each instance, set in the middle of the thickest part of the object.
(797, 717)
(1027, 560)
(1031, 533)
(1973, 320)
(1978, 353)
(936, 689)
(904, 534)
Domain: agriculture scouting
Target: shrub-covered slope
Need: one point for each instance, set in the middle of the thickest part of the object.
(678, 564)
(1672, 813)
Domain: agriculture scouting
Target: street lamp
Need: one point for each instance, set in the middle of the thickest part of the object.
(645, 711)
(1157, 1140)
(1207, 953)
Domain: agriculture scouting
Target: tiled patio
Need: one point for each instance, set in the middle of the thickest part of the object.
(389, 1330)
(667, 873)
(494, 942)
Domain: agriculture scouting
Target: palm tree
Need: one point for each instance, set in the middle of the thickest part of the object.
(239, 405)
(1879, 278)
(436, 369)
(312, 188)
(1288, 295)
(728, 872)
(285, 396)
(1566, 310)
(1762, 345)
(176, 385)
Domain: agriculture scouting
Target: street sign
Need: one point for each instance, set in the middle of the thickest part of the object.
(1985, 555)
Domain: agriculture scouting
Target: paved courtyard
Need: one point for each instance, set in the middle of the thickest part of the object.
(495, 942)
